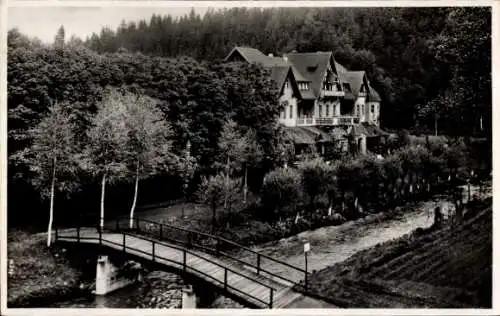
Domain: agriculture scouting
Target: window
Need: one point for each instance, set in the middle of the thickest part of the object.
(320, 110)
(373, 108)
(327, 110)
(303, 85)
(291, 111)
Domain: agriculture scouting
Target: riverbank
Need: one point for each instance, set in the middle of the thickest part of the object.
(443, 268)
(37, 274)
(330, 245)
(245, 228)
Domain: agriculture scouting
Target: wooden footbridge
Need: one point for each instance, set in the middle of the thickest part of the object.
(254, 278)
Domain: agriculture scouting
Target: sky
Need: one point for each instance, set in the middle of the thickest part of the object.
(43, 22)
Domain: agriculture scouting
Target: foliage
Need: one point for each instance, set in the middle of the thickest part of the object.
(52, 150)
(281, 192)
(316, 176)
(406, 51)
(213, 192)
(106, 151)
(148, 134)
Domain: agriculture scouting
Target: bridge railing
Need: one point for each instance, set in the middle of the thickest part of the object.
(80, 236)
(260, 263)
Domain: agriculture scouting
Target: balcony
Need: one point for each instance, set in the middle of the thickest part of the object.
(332, 93)
(327, 121)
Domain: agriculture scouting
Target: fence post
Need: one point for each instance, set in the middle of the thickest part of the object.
(161, 231)
(271, 299)
(258, 263)
(153, 249)
(225, 279)
(184, 261)
(78, 233)
(100, 237)
(217, 241)
(124, 249)
(189, 240)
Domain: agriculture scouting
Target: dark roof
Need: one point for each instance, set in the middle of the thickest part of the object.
(308, 135)
(373, 94)
(251, 55)
(373, 130)
(307, 94)
(279, 74)
(320, 136)
(355, 80)
(308, 67)
(357, 130)
(300, 136)
(312, 67)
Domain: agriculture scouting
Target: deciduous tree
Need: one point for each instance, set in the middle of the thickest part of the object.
(106, 153)
(148, 139)
(52, 158)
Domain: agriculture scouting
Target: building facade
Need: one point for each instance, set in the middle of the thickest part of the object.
(319, 95)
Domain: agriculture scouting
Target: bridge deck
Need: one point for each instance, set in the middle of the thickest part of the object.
(232, 277)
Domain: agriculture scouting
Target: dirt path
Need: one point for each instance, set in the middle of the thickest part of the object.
(333, 244)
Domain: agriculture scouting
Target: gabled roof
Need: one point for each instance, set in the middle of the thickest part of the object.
(355, 80)
(312, 67)
(279, 74)
(309, 67)
(373, 94)
(251, 55)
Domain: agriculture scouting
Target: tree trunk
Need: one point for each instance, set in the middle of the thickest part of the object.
(51, 211)
(214, 210)
(435, 126)
(245, 186)
(132, 209)
(103, 189)
(227, 183)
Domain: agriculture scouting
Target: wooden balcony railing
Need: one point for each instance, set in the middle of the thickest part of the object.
(328, 121)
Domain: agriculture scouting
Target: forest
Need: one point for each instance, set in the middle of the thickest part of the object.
(220, 140)
(415, 57)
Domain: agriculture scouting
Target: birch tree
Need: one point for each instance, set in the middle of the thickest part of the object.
(148, 140)
(107, 143)
(51, 159)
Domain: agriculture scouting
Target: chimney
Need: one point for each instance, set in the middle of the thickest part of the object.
(270, 55)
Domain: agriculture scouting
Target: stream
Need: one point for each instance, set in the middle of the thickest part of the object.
(329, 245)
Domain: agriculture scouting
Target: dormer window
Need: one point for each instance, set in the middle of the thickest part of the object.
(303, 85)
(312, 68)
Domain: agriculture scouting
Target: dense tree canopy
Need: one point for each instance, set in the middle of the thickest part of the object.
(394, 45)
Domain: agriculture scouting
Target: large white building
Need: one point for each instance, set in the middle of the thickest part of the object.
(319, 95)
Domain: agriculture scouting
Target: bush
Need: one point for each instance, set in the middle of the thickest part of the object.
(281, 192)
(316, 176)
(218, 191)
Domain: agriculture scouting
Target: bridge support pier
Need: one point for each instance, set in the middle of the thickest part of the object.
(188, 297)
(107, 278)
